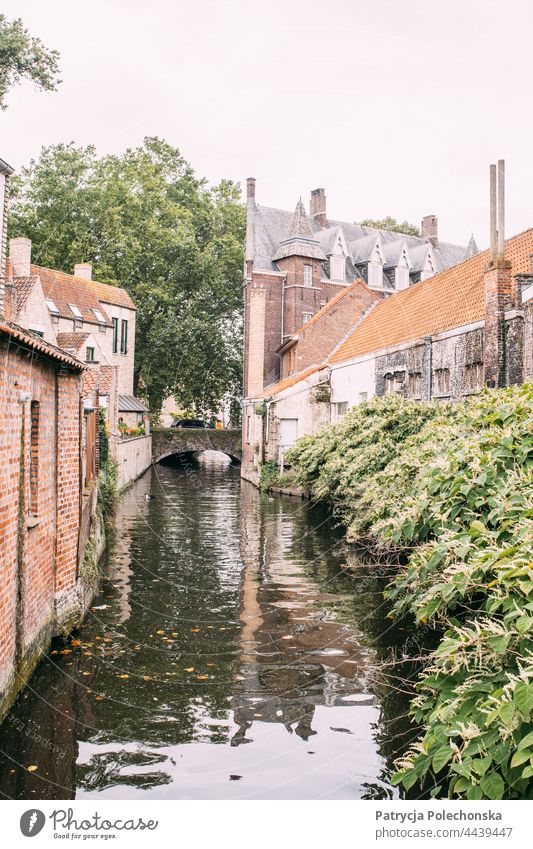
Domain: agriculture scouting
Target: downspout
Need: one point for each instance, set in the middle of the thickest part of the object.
(429, 367)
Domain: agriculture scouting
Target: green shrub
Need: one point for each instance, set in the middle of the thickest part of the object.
(268, 474)
(103, 436)
(453, 485)
(108, 490)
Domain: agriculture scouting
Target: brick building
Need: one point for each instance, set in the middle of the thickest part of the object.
(295, 264)
(444, 337)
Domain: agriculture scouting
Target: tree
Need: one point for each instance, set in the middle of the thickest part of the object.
(389, 223)
(149, 224)
(25, 57)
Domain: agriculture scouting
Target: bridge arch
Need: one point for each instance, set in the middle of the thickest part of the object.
(167, 442)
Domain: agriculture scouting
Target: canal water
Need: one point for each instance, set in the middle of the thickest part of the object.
(235, 652)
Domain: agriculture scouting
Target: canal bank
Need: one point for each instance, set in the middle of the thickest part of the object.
(230, 654)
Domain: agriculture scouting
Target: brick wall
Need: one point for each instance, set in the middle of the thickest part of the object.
(498, 287)
(37, 520)
(68, 479)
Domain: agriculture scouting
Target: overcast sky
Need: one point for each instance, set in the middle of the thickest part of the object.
(395, 108)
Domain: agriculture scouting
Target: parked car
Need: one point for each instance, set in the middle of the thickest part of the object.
(191, 423)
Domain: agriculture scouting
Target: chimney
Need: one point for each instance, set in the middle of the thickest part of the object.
(83, 269)
(429, 229)
(20, 256)
(249, 247)
(317, 207)
(250, 188)
(500, 290)
(7, 293)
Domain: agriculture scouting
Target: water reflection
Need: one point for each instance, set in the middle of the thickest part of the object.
(230, 654)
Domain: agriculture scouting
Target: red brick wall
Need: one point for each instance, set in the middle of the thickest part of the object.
(497, 284)
(319, 338)
(29, 564)
(68, 480)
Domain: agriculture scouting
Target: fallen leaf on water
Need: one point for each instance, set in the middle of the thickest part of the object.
(195, 630)
(160, 632)
(65, 651)
(287, 637)
(211, 664)
(108, 640)
(175, 634)
(86, 673)
(32, 768)
(189, 669)
(123, 676)
(87, 654)
(202, 677)
(99, 698)
(75, 642)
(147, 677)
(53, 652)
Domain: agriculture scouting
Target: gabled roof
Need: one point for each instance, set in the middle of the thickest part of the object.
(64, 289)
(23, 289)
(471, 248)
(344, 293)
(450, 299)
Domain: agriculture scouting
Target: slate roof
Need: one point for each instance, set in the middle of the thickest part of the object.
(130, 404)
(299, 239)
(450, 299)
(271, 227)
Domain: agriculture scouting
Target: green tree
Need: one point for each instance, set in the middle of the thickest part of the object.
(389, 223)
(25, 57)
(149, 224)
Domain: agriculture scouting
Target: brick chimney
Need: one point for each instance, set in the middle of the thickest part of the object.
(499, 288)
(20, 256)
(83, 269)
(429, 229)
(317, 207)
(7, 293)
(250, 188)
(249, 247)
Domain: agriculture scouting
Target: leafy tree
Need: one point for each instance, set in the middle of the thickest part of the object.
(24, 57)
(389, 223)
(149, 224)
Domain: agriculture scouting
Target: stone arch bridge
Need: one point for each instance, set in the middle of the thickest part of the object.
(174, 440)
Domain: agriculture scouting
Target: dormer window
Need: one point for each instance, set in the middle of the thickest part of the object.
(99, 317)
(402, 278)
(52, 306)
(76, 311)
(375, 274)
(338, 268)
(308, 275)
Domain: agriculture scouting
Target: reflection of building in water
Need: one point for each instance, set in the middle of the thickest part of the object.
(130, 509)
(294, 656)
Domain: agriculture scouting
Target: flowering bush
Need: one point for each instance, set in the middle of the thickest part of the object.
(453, 485)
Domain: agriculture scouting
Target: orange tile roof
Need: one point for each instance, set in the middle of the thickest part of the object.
(65, 289)
(450, 299)
(331, 303)
(36, 343)
(287, 382)
(111, 294)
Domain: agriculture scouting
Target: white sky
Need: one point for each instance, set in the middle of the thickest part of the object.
(393, 107)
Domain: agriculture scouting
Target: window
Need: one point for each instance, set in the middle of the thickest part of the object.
(441, 381)
(394, 383)
(89, 354)
(288, 432)
(114, 322)
(76, 311)
(338, 268)
(308, 275)
(38, 331)
(402, 277)
(307, 316)
(375, 274)
(291, 361)
(124, 336)
(52, 306)
(415, 384)
(340, 408)
(100, 319)
(473, 377)
(33, 505)
(363, 396)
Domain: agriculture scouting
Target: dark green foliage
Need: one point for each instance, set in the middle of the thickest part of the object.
(389, 223)
(108, 490)
(457, 490)
(103, 438)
